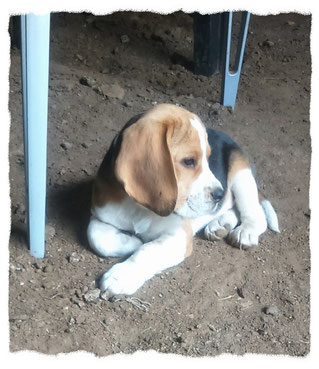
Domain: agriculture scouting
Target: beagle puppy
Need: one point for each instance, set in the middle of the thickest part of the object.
(164, 178)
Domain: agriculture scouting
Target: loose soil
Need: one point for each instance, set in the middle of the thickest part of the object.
(104, 70)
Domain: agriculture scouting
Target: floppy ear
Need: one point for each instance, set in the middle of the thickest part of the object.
(145, 167)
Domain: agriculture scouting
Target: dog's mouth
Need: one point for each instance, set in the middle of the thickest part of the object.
(207, 209)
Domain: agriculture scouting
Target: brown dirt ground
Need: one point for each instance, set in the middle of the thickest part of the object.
(221, 299)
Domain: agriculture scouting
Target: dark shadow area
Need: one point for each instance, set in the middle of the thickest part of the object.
(182, 60)
(67, 205)
(20, 234)
(14, 31)
(70, 205)
(142, 36)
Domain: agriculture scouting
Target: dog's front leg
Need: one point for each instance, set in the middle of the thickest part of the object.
(252, 216)
(109, 241)
(151, 258)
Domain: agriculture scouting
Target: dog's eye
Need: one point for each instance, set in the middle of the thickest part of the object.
(189, 162)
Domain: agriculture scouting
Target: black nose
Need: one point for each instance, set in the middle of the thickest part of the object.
(218, 194)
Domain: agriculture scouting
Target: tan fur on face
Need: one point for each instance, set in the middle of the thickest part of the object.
(145, 164)
(186, 144)
(149, 164)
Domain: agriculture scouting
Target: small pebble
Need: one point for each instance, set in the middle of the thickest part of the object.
(71, 320)
(92, 295)
(105, 71)
(37, 265)
(125, 39)
(87, 81)
(240, 293)
(104, 295)
(74, 258)
(111, 90)
(215, 106)
(180, 338)
(268, 43)
(272, 310)
(62, 171)
(213, 328)
(66, 145)
(80, 304)
(47, 269)
(80, 57)
(85, 289)
(20, 159)
(86, 171)
(47, 285)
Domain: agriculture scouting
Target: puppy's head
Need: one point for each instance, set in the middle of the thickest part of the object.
(163, 163)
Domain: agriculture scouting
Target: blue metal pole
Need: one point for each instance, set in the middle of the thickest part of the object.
(231, 78)
(35, 37)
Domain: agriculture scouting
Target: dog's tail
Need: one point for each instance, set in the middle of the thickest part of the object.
(270, 213)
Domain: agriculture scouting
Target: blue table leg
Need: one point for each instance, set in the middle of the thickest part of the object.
(231, 78)
(35, 32)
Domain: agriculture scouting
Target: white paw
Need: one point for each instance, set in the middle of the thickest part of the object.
(243, 236)
(122, 279)
(215, 231)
